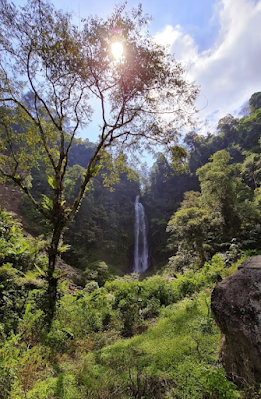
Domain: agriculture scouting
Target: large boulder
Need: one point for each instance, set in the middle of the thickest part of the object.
(236, 304)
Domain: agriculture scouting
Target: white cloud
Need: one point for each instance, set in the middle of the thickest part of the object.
(230, 72)
(182, 45)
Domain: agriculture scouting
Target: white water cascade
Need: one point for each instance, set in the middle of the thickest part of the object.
(141, 253)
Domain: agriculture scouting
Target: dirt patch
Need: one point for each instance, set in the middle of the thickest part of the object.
(11, 199)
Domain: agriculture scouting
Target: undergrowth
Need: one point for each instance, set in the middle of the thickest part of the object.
(147, 339)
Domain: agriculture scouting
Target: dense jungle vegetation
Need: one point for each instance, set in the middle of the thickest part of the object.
(154, 338)
(196, 202)
(118, 335)
(75, 322)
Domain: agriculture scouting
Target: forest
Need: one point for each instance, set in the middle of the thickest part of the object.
(76, 319)
(145, 336)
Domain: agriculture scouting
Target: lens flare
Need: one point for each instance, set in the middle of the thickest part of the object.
(117, 50)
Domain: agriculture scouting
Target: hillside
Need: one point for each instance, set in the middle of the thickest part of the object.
(128, 339)
(11, 201)
(143, 337)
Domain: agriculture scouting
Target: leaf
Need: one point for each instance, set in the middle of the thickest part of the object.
(27, 310)
(40, 270)
(47, 202)
(95, 170)
(63, 248)
(52, 182)
(61, 275)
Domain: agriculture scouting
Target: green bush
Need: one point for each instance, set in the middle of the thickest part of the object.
(15, 288)
(175, 357)
(218, 386)
(21, 251)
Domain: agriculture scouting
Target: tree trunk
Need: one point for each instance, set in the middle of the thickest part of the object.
(201, 253)
(51, 293)
(51, 296)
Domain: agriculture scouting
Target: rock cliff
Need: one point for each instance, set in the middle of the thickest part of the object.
(236, 304)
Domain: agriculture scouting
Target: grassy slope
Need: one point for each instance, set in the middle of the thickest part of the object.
(176, 357)
(172, 345)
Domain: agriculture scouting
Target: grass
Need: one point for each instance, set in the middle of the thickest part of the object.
(147, 339)
(174, 358)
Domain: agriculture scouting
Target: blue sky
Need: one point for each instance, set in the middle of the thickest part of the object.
(218, 41)
(222, 53)
(197, 17)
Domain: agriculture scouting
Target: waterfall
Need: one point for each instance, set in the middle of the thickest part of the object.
(141, 253)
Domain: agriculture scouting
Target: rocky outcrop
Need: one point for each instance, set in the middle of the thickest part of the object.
(236, 304)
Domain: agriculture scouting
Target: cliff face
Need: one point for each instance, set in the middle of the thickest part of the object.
(236, 304)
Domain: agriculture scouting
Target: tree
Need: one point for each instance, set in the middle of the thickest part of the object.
(64, 68)
(228, 126)
(219, 190)
(254, 102)
(249, 132)
(191, 227)
(252, 169)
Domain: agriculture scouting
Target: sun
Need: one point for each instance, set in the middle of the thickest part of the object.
(117, 50)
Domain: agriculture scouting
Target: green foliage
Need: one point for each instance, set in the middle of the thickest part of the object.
(171, 350)
(18, 280)
(73, 180)
(255, 102)
(252, 169)
(190, 229)
(154, 338)
(15, 292)
(103, 227)
(97, 271)
(224, 211)
(170, 340)
(218, 190)
(163, 362)
(179, 160)
(218, 386)
(22, 252)
(62, 387)
(62, 69)
(162, 196)
(9, 354)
